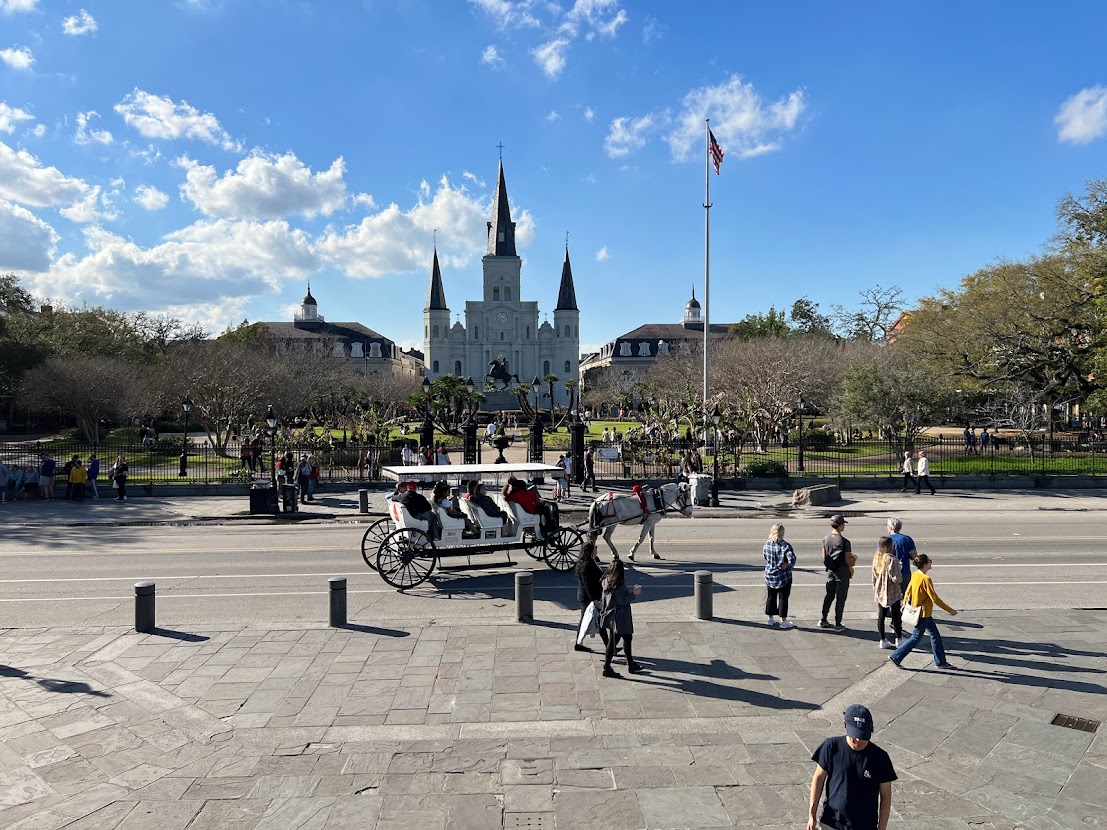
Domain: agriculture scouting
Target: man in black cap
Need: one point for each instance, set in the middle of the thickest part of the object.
(857, 776)
(838, 559)
(420, 509)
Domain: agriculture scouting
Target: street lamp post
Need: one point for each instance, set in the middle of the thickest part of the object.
(799, 436)
(426, 431)
(186, 405)
(536, 425)
(715, 418)
(469, 430)
(271, 420)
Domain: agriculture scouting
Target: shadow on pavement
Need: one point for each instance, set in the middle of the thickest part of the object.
(184, 636)
(370, 629)
(70, 687)
(699, 686)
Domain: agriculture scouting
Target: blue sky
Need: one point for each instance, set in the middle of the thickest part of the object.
(208, 157)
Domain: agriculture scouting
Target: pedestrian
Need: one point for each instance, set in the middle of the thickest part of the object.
(255, 454)
(923, 474)
(887, 591)
(856, 776)
(908, 472)
(567, 463)
(67, 469)
(838, 559)
(921, 593)
(30, 482)
(93, 474)
(780, 559)
(589, 470)
(245, 456)
(441, 456)
(78, 478)
(46, 476)
(119, 478)
(16, 478)
(984, 436)
(616, 616)
(589, 587)
(904, 547)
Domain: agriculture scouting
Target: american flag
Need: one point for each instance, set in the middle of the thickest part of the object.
(716, 152)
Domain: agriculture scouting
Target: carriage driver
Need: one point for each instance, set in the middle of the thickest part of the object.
(420, 509)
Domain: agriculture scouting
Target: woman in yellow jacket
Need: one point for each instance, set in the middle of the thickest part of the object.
(921, 592)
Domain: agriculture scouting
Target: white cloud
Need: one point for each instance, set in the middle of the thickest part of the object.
(395, 241)
(599, 17)
(1083, 117)
(508, 14)
(491, 57)
(17, 57)
(13, 6)
(602, 255)
(474, 178)
(39, 130)
(10, 116)
(627, 135)
(742, 123)
(83, 135)
(94, 207)
(82, 23)
(265, 187)
(161, 117)
(553, 115)
(550, 57)
(24, 179)
(589, 113)
(150, 197)
(26, 242)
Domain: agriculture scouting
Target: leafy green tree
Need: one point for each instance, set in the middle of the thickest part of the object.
(773, 324)
(806, 318)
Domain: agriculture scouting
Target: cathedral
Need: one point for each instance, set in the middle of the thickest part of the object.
(501, 330)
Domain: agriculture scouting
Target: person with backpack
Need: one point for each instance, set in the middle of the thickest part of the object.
(838, 559)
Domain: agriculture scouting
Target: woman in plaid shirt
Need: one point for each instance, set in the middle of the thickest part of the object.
(779, 561)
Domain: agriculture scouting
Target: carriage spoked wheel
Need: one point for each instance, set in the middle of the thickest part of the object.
(563, 548)
(533, 547)
(406, 558)
(371, 541)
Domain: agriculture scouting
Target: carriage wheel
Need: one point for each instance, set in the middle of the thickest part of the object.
(406, 558)
(533, 548)
(371, 541)
(563, 548)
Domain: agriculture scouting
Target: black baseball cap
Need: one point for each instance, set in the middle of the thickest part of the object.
(859, 722)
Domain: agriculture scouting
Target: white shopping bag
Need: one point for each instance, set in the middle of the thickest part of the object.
(589, 624)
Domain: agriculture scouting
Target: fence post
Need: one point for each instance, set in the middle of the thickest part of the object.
(524, 596)
(338, 601)
(144, 607)
(704, 595)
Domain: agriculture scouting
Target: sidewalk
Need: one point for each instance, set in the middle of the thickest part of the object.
(445, 724)
(344, 506)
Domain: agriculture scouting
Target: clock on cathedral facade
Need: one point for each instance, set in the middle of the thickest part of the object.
(501, 326)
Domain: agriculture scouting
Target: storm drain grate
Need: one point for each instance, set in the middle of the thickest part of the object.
(528, 821)
(1073, 722)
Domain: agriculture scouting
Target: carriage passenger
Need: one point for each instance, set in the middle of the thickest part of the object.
(516, 491)
(449, 506)
(475, 493)
(420, 509)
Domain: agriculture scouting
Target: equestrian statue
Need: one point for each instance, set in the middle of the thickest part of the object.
(497, 371)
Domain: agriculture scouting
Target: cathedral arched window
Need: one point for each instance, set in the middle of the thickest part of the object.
(434, 367)
(501, 335)
(457, 367)
(528, 332)
(496, 293)
(566, 331)
(436, 331)
(507, 292)
(567, 369)
(476, 332)
(545, 367)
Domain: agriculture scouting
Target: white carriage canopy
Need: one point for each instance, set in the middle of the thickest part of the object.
(457, 474)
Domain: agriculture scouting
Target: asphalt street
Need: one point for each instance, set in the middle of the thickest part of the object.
(235, 572)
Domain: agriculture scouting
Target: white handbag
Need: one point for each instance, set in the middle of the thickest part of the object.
(589, 624)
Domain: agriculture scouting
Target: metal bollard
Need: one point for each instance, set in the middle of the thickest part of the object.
(144, 608)
(704, 594)
(362, 501)
(524, 596)
(338, 601)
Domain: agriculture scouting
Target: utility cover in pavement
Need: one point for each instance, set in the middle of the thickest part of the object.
(1073, 722)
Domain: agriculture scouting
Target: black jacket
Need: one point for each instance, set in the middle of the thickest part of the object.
(415, 502)
(588, 582)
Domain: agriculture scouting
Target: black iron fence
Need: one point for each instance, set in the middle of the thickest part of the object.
(159, 463)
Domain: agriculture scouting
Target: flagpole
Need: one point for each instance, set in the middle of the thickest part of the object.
(706, 265)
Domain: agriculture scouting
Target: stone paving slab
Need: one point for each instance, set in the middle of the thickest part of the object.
(474, 726)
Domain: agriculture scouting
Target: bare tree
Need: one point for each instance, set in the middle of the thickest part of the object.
(877, 312)
(88, 389)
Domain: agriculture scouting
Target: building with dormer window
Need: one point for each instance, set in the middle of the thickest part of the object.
(501, 326)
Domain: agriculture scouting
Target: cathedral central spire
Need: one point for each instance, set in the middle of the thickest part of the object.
(436, 296)
(567, 294)
(501, 230)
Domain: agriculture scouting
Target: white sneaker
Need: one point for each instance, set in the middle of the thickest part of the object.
(770, 622)
(885, 644)
(785, 625)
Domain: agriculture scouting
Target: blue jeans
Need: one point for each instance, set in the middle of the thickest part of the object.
(925, 623)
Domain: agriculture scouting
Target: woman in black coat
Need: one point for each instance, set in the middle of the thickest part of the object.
(589, 590)
(616, 616)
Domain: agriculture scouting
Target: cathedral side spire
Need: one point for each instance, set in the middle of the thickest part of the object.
(501, 230)
(567, 294)
(436, 296)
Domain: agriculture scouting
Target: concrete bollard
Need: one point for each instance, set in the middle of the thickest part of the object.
(144, 607)
(362, 501)
(338, 601)
(524, 596)
(704, 594)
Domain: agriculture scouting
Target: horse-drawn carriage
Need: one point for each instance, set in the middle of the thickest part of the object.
(405, 551)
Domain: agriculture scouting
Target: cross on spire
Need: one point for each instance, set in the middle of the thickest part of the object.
(501, 148)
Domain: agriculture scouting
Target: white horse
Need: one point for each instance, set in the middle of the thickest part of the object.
(646, 506)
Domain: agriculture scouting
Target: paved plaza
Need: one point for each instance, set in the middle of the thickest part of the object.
(455, 725)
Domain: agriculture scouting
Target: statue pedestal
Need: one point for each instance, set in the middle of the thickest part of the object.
(499, 401)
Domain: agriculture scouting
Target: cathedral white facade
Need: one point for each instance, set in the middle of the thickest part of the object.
(501, 326)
